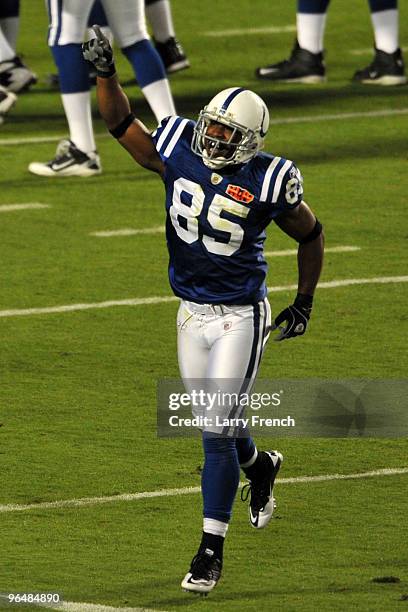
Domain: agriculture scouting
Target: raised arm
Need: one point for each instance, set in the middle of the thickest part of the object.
(302, 225)
(115, 108)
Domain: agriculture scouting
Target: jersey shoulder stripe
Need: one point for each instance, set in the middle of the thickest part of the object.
(279, 178)
(280, 182)
(268, 178)
(168, 133)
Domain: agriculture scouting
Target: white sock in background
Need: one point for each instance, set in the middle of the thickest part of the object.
(77, 108)
(9, 27)
(161, 20)
(159, 97)
(310, 31)
(385, 25)
(6, 52)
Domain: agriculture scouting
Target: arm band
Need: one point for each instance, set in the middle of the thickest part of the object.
(316, 231)
(120, 129)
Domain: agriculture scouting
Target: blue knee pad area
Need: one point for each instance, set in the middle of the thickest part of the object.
(146, 62)
(220, 477)
(72, 68)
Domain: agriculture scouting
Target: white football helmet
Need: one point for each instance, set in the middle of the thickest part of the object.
(246, 114)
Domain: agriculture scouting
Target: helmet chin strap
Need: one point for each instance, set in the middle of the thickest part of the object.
(213, 163)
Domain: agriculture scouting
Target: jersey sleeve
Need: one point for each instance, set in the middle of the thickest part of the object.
(167, 135)
(291, 191)
(282, 185)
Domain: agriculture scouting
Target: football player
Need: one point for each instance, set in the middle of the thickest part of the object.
(158, 13)
(221, 193)
(306, 64)
(14, 75)
(68, 22)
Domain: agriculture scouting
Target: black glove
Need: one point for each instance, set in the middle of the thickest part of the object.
(297, 317)
(99, 53)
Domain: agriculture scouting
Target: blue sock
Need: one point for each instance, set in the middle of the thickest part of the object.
(382, 5)
(220, 477)
(312, 6)
(245, 449)
(147, 64)
(72, 68)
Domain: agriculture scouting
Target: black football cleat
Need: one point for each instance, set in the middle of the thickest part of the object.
(204, 573)
(172, 54)
(385, 69)
(262, 502)
(302, 67)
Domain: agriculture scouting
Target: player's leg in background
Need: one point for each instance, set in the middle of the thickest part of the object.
(159, 15)
(387, 67)
(96, 17)
(128, 25)
(305, 64)
(75, 157)
(14, 75)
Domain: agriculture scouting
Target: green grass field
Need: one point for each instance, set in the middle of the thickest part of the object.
(78, 389)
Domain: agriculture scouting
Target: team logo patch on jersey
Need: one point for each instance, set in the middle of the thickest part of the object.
(239, 194)
(216, 179)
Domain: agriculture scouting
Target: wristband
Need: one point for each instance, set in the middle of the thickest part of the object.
(105, 74)
(304, 301)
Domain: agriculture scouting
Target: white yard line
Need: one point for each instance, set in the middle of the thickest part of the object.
(21, 312)
(78, 606)
(337, 249)
(369, 51)
(4, 142)
(126, 497)
(26, 206)
(250, 31)
(341, 116)
(128, 231)
(387, 112)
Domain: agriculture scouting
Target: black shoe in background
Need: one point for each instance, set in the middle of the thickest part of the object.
(302, 67)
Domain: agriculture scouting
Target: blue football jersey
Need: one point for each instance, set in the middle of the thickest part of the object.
(215, 225)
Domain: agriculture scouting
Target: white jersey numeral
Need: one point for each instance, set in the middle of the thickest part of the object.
(190, 213)
(188, 231)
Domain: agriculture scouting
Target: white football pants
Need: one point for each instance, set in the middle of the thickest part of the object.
(69, 21)
(222, 345)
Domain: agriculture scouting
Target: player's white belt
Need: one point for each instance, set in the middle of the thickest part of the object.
(212, 309)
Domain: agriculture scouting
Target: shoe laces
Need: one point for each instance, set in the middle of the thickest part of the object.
(62, 149)
(205, 566)
(259, 492)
